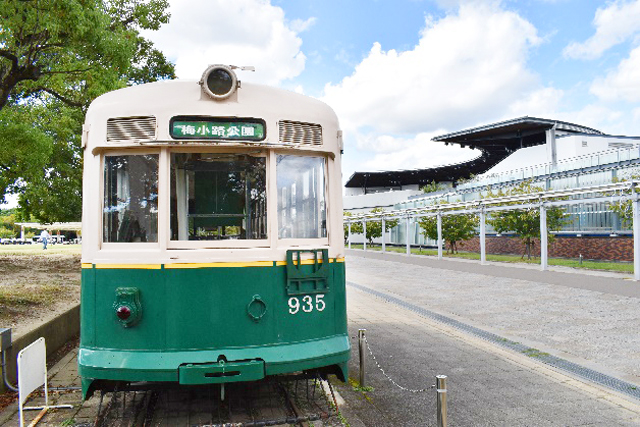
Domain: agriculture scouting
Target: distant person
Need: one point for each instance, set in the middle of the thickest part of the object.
(44, 236)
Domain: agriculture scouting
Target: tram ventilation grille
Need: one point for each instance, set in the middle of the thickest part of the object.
(300, 133)
(131, 128)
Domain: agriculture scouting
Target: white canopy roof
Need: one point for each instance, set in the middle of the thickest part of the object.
(67, 226)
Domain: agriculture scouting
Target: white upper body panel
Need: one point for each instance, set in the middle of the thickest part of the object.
(168, 99)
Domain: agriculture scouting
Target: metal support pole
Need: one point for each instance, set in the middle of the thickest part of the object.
(441, 388)
(408, 244)
(483, 233)
(636, 235)
(439, 235)
(364, 232)
(384, 230)
(361, 345)
(544, 244)
(349, 236)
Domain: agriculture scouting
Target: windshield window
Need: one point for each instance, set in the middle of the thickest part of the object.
(301, 197)
(130, 212)
(218, 196)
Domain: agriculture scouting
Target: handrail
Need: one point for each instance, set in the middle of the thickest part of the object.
(561, 164)
(539, 197)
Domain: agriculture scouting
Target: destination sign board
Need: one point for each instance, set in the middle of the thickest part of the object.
(214, 128)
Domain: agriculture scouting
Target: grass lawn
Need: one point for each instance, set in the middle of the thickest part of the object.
(35, 283)
(36, 249)
(626, 267)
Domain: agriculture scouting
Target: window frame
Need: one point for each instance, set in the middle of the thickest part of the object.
(314, 241)
(227, 243)
(164, 242)
(138, 245)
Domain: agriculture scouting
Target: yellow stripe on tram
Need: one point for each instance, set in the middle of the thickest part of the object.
(129, 266)
(202, 264)
(220, 264)
(310, 261)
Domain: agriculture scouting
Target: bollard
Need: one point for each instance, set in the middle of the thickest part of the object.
(361, 345)
(580, 259)
(441, 388)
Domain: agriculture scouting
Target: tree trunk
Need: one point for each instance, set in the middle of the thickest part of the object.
(527, 249)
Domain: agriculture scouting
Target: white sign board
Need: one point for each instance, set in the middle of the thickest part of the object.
(32, 374)
(32, 369)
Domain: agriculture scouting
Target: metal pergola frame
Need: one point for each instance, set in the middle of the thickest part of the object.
(611, 193)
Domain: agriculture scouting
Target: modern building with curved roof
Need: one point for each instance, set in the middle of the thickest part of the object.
(551, 154)
(495, 142)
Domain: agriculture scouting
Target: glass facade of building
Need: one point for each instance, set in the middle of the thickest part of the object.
(594, 218)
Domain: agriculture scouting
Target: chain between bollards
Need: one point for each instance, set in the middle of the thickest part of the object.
(441, 388)
(361, 343)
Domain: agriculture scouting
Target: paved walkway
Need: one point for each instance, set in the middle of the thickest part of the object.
(490, 385)
(487, 386)
(584, 318)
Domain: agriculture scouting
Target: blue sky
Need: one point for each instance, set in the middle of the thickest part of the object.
(399, 72)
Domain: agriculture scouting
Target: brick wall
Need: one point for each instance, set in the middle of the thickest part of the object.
(602, 247)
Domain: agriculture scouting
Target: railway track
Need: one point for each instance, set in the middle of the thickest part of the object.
(300, 401)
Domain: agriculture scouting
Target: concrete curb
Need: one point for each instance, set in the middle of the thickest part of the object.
(56, 331)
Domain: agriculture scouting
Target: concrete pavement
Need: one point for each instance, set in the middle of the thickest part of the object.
(585, 318)
(487, 384)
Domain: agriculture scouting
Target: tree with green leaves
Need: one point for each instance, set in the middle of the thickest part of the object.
(356, 227)
(455, 228)
(76, 50)
(526, 222)
(624, 208)
(8, 228)
(432, 187)
(56, 56)
(374, 227)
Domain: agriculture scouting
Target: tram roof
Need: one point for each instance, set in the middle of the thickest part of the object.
(495, 141)
(167, 99)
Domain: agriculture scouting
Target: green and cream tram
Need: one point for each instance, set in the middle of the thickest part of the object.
(212, 235)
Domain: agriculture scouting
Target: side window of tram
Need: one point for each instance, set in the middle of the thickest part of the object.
(130, 212)
(218, 196)
(301, 197)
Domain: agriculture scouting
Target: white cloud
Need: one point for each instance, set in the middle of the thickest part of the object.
(453, 4)
(239, 32)
(596, 116)
(467, 68)
(623, 83)
(540, 103)
(299, 25)
(394, 153)
(615, 23)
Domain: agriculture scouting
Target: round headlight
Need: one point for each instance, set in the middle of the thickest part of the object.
(219, 81)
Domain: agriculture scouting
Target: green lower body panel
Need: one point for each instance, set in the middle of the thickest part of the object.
(202, 366)
(173, 324)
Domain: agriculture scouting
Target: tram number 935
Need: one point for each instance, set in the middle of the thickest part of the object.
(307, 304)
